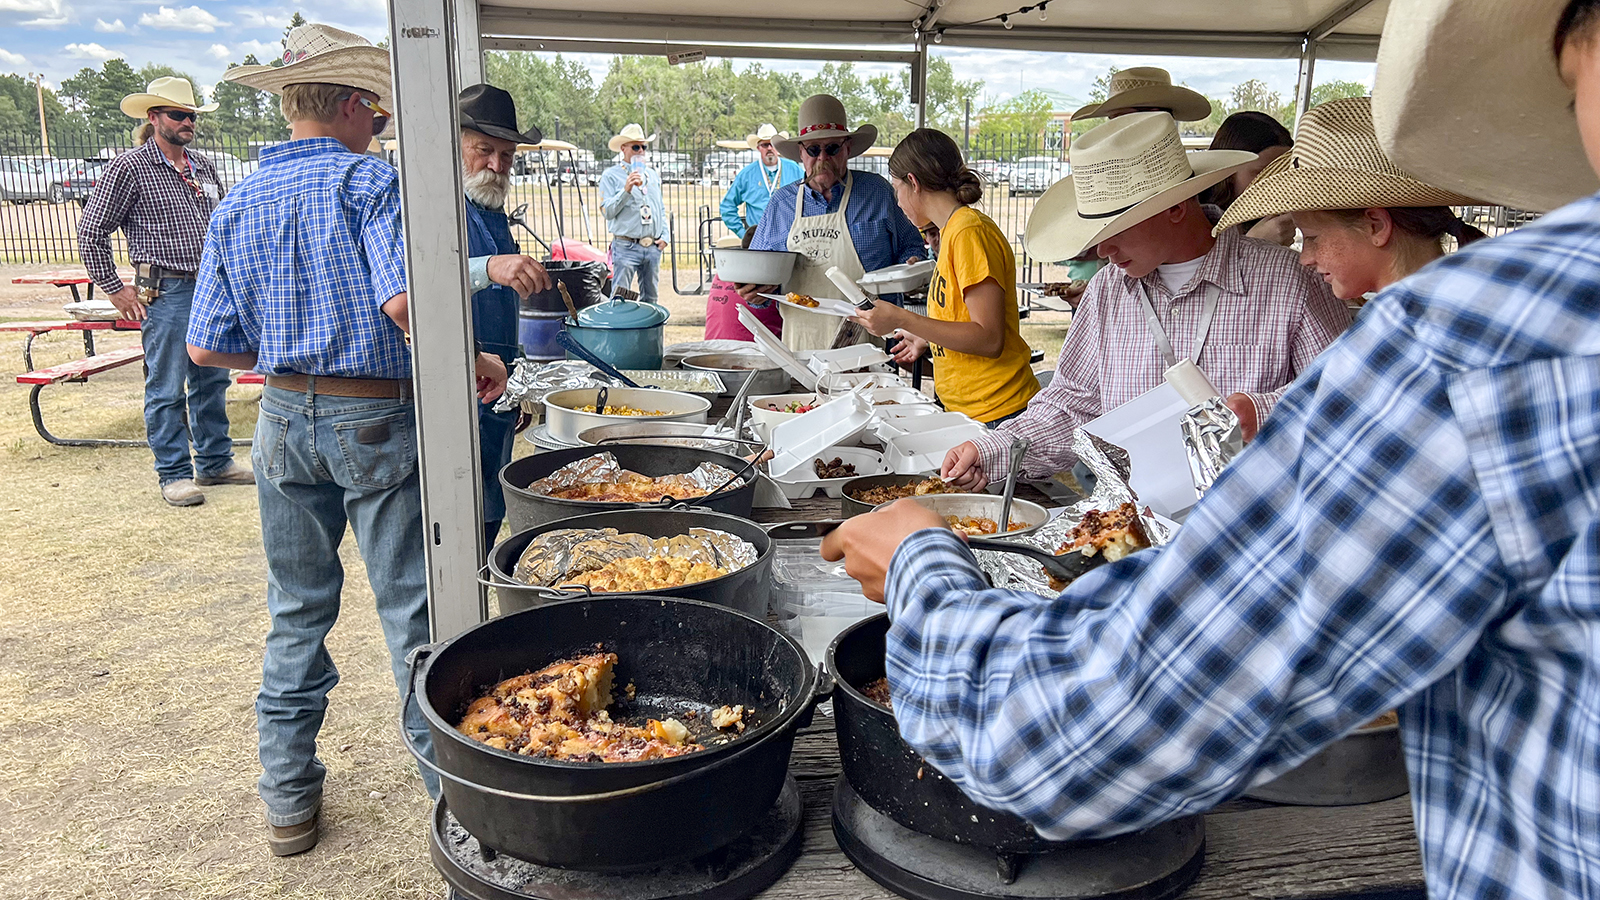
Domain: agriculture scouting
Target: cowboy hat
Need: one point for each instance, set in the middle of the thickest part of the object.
(1336, 163)
(767, 132)
(489, 110)
(822, 116)
(1123, 172)
(631, 134)
(164, 91)
(1147, 88)
(1468, 97)
(322, 54)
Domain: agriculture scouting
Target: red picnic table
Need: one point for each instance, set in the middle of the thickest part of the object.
(68, 278)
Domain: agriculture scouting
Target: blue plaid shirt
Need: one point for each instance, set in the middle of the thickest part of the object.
(1415, 527)
(882, 234)
(299, 259)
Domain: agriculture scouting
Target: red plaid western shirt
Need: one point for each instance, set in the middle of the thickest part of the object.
(162, 215)
(1273, 318)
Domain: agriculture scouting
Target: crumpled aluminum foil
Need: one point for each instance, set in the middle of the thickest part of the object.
(1111, 467)
(1211, 439)
(603, 468)
(556, 556)
(530, 381)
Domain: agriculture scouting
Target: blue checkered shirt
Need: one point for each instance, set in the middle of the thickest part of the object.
(1414, 527)
(882, 234)
(299, 260)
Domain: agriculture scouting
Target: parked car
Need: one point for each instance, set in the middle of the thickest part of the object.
(987, 169)
(23, 180)
(675, 168)
(1035, 174)
(80, 177)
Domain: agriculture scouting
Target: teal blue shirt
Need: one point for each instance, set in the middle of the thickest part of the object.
(749, 188)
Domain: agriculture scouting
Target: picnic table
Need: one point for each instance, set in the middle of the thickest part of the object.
(70, 279)
(1253, 849)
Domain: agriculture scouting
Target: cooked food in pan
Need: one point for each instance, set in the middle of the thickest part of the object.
(631, 487)
(645, 573)
(620, 410)
(836, 469)
(931, 485)
(559, 712)
(976, 526)
(878, 691)
(604, 559)
(1105, 536)
(803, 300)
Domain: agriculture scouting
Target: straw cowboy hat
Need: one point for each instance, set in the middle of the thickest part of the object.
(1468, 97)
(765, 133)
(1147, 87)
(631, 134)
(322, 54)
(164, 91)
(1336, 163)
(1123, 172)
(822, 116)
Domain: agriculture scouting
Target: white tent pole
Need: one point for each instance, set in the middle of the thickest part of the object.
(421, 34)
(469, 45)
(1302, 89)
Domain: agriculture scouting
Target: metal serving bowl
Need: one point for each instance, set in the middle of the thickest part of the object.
(736, 368)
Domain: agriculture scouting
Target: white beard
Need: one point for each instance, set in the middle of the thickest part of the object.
(488, 188)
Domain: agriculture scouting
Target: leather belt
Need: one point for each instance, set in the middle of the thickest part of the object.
(643, 242)
(164, 272)
(373, 388)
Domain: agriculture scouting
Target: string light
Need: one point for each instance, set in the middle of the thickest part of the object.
(1006, 21)
(938, 36)
(1042, 16)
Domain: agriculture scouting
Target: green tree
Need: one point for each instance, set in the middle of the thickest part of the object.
(1013, 128)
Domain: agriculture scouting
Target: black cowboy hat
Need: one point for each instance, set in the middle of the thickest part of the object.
(490, 110)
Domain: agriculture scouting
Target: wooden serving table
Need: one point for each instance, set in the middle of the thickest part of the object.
(1253, 849)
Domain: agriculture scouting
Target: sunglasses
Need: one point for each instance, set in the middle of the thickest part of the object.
(637, 147)
(380, 116)
(179, 115)
(816, 150)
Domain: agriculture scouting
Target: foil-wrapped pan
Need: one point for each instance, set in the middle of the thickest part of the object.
(557, 556)
(603, 468)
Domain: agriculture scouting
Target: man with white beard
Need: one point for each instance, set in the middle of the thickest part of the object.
(498, 273)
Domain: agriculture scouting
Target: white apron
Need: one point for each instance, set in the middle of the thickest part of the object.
(823, 242)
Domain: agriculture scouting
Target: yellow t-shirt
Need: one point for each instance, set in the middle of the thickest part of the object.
(972, 249)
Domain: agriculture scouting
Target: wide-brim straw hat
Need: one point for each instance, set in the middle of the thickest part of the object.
(822, 116)
(631, 134)
(1147, 87)
(1123, 172)
(164, 91)
(767, 132)
(322, 54)
(1335, 163)
(1468, 97)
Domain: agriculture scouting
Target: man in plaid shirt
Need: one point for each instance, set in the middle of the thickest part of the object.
(1415, 527)
(161, 196)
(1245, 310)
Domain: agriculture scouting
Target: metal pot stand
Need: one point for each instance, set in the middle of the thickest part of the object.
(1155, 864)
(740, 870)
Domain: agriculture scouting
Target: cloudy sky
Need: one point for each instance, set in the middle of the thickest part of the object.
(56, 38)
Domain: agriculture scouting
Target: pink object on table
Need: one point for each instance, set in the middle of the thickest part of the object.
(722, 314)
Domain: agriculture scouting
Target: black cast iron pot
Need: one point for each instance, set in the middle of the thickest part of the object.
(890, 776)
(681, 655)
(525, 509)
(746, 590)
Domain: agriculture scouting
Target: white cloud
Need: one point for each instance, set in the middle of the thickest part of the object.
(91, 51)
(219, 51)
(189, 18)
(114, 27)
(255, 18)
(263, 50)
(12, 59)
(50, 13)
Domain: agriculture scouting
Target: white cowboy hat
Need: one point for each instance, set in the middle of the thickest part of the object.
(1147, 88)
(1336, 163)
(322, 54)
(164, 91)
(1468, 97)
(767, 132)
(1123, 172)
(822, 116)
(631, 134)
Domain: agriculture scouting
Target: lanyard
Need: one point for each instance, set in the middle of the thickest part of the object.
(776, 181)
(1212, 295)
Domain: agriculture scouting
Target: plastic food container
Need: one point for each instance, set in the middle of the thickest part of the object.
(805, 482)
(763, 417)
(797, 442)
(846, 359)
(736, 265)
(924, 451)
(986, 506)
(899, 279)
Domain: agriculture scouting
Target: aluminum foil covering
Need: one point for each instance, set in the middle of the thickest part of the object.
(1211, 439)
(556, 556)
(603, 468)
(1110, 465)
(530, 381)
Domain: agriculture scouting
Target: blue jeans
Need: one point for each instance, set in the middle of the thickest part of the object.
(322, 462)
(629, 259)
(172, 416)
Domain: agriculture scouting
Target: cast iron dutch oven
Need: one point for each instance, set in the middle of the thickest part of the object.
(746, 590)
(525, 509)
(681, 654)
(890, 776)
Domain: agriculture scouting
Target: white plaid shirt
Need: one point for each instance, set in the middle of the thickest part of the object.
(162, 216)
(1273, 318)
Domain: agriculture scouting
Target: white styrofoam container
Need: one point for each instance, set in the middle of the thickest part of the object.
(797, 442)
(893, 428)
(805, 482)
(840, 382)
(924, 451)
(846, 359)
(900, 396)
(762, 418)
(775, 350)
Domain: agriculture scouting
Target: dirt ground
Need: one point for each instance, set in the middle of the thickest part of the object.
(131, 658)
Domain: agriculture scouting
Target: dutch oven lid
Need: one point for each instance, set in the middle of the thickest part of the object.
(619, 313)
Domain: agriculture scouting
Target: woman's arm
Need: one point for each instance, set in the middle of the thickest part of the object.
(984, 335)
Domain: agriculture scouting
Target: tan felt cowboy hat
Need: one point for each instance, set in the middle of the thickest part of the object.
(767, 132)
(1468, 97)
(822, 116)
(1336, 163)
(631, 134)
(165, 91)
(322, 54)
(1123, 172)
(1146, 88)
